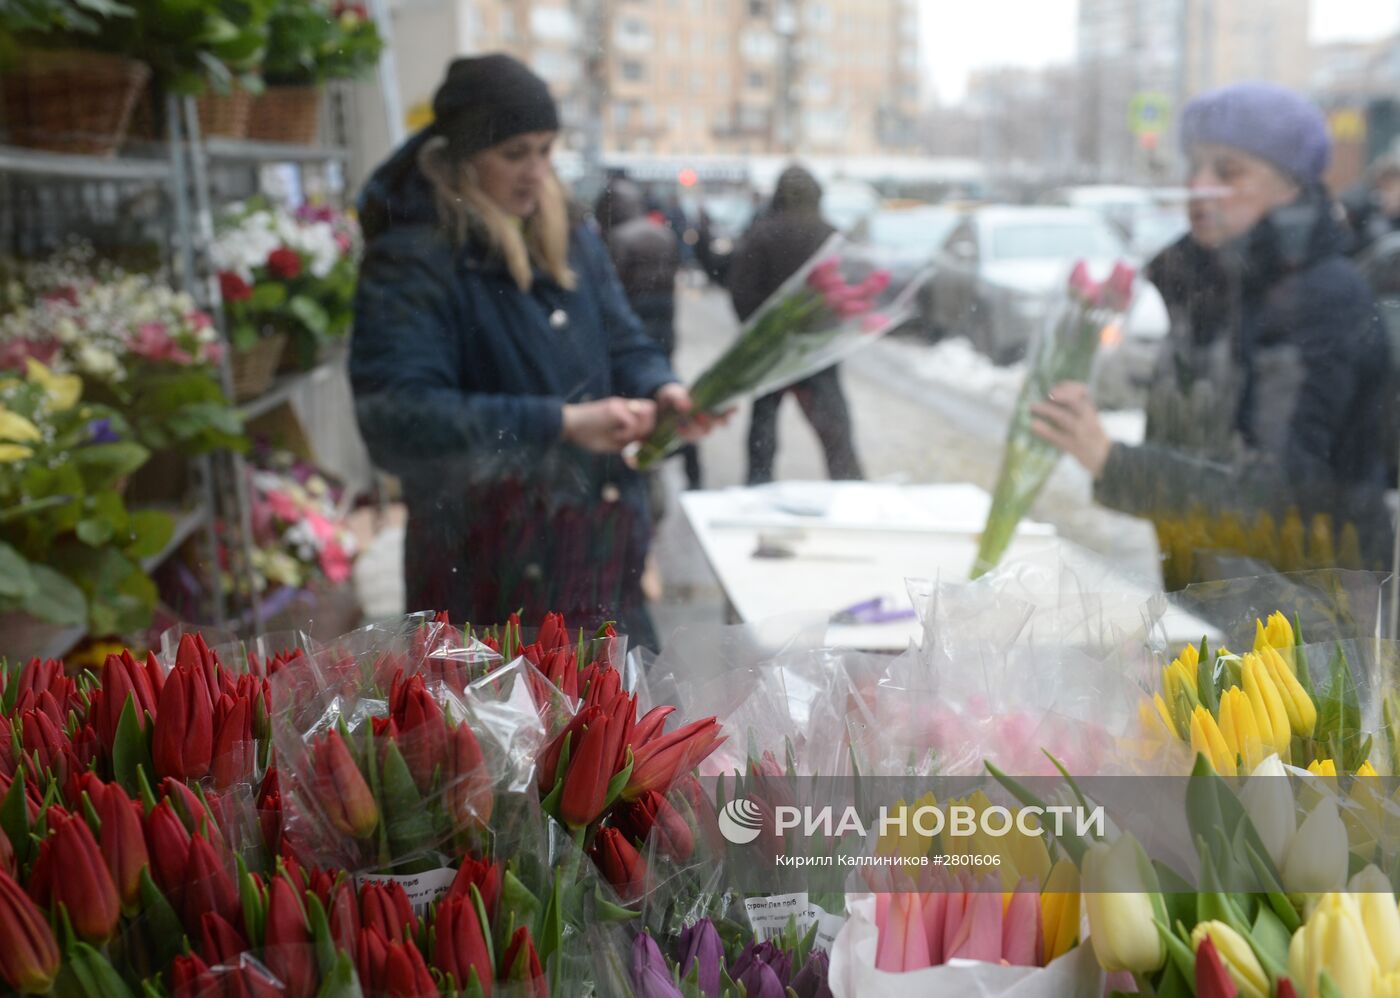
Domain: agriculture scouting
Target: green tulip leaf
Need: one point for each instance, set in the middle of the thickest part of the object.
(1270, 938)
(166, 932)
(320, 929)
(14, 820)
(341, 980)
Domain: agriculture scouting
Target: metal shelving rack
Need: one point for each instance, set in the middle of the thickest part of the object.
(181, 169)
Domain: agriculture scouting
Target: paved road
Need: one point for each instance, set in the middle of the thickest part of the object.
(905, 431)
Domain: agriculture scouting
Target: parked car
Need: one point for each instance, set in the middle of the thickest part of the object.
(1000, 268)
(905, 241)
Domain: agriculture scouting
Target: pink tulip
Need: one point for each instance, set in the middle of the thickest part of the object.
(1081, 285)
(956, 910)
(903, 943)
(1117, 291)
(979, 935)
(874, 322)
(1021, 933)
(935, 918)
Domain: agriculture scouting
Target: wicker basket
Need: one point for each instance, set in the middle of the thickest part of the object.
(225, 115)
(287, 114)
(68, 100)
(254, 369)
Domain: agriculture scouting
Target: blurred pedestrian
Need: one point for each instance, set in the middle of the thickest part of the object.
(646, 254)
(1266, 408)
(1374, 210)
(498, 370)
(783, 238)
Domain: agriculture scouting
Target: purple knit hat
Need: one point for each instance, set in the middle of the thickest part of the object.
(1270, 121)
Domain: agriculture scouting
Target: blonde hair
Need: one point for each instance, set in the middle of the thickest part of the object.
(542, 240)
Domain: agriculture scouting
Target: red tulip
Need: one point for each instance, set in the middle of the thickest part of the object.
(270, 812)
(122, 842)
(484, 876)
(422, 729)
(7, 854)
(343, 915)
(122, 680)
(651, 814)
(392, 969)
(341, 789)
(657, 763)
(231, 758)
(470, 794)
(598, 738)
(1285, 988)
(209, 887)
(220, 940)
(70, 871)
(233, 288)
(45, 743)
(29, 956)
(40, 677)
(287, 949)
(182, 744)
(168, 846)
(521, 964)
(460, 947)
(197, 814)
(620, 863)
(651, 725)
(195, 656)
(1212, 979)
(384, 906)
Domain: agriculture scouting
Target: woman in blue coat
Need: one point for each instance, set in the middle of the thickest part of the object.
(498, 371)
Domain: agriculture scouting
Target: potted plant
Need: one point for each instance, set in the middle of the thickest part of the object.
(70, 550)
(286, 276)
(308, 43)
(64, 88)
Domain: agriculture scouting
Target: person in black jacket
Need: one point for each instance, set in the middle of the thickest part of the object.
(1266, 412)
(498, 370)
(775, 248)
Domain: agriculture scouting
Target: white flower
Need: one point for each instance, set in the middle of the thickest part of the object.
(98, 362)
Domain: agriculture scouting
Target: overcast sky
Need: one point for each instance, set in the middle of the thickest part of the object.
(958, 36)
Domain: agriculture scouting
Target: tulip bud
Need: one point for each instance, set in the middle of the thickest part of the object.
(182, 743)
(76, 876)
(1237, 955)
(651, 974)
(341, 788)
(220, 940)
(521, 965)
(1120, 897)
(422, 730)
(653, 813)
(231, 755)
(484, 876)
(1278, 635)
(190, 978)
(1317, 858)
(209, 887)
(122, 842)
(343, 915)
(1332, 940)
(1375, 899)
(384, 906)
(657, 763)
(1267, 702)
(1212, 979)
(287, 948)
(620, 863)
(470, 795)
(29, 957)
(45, 743)
(702, 950)
(168, 846)
(392, 968)
(460, 948)
(1268, 800)
(1302, 712)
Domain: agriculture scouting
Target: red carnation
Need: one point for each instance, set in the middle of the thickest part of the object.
(283, 263)
(233, 287)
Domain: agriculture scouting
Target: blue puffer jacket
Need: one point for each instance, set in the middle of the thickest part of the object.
(459, 380)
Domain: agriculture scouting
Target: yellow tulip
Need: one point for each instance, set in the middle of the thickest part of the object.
(16, 428)
(1122, 911)
(1323, 768)
(1266, 701)
(1207, 740)
(63, 390)
(1059, 909)
(1276, 634)
(1366, 769)
(1375, 901)
(1237, 955)
(1241, 729)
(1162, 712)
(1387, 986)
(1333, 940)
(1302, 712)
(10, 453)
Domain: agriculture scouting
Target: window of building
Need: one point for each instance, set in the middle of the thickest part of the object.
(756, 80)
(758, 8)
(553, 24)
(634, 70)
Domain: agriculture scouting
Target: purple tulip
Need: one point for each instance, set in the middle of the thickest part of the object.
(761, 981)
(811, 980)
(768, 955)
(651, 974)
(700, 946)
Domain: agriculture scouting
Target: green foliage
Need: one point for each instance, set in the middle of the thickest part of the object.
(310, 42)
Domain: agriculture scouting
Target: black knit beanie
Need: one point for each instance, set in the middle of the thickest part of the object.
(488, 99)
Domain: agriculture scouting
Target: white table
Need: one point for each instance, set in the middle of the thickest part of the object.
(841, 543)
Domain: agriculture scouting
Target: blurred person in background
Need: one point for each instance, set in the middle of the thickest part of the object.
(498, 370)
(1374, 211)
(647, 256)
(1267, 412)
(784, 237)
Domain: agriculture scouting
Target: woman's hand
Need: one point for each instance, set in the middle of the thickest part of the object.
(675, 397)
(1069, 420)
(608, 425)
